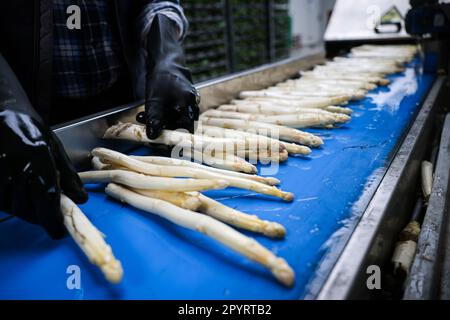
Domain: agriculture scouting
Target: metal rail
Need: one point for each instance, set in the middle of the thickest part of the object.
(372, 239)
(427, 271)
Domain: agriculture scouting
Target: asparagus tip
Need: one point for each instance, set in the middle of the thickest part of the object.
(273, 181)
(275, 230)
(288, 196)
(343, 118)
(318, 142)
(113, 271)
(283, 272)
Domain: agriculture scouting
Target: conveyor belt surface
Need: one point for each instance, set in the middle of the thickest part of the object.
(161, 261)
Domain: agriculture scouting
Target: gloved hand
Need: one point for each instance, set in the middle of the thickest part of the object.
(34, 167)
(171, 100)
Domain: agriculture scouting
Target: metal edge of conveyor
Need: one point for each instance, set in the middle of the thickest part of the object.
(423, 282)
(371, 241)
(81, 136)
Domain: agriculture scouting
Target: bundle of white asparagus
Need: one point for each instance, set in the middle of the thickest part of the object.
(223, 153)
(120, 162)
(316, 99)
(147, 183)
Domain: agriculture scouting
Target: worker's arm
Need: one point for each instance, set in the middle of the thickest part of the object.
(33, 165)
(171, 98)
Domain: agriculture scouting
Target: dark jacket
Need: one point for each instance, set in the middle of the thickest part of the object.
(26, 40)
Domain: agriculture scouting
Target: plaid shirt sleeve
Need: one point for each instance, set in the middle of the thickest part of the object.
(85, 62)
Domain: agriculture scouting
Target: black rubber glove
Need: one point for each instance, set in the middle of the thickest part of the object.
(34, 167)
(171, 99)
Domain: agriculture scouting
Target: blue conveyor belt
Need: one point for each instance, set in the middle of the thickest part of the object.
(161, 261)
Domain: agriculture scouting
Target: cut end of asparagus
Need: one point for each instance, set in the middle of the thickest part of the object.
(283, 272)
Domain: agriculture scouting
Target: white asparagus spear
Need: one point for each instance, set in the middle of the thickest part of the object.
(284, 96)
(261, 128)
(90, 240)
(142, 181)
(342, 69)
(110, 156)
(277, 104)
(317, 91)
(337, 76)
(302, 102)
(195, 201)
(362, 64)
(210, 227)
(272, 109)
(399, 49)
(230, 133)
(303, 120)
(102, 166)
(263, 156)
(336, 109)
(363, 67)
(267, 109)
(427, 179)
(377, 61)
(325, 84)
(136, 133)
(403, 257)
(385, 53)
(303, 88)
(399, 58)
(291, 148)
(239, 219)
(309, 85)
(186, 200)
(268, 157)
(225, 161)
(184, 163)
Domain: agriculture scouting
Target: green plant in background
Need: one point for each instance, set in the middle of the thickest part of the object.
(259, 32)
(282, 29)
(205, 44)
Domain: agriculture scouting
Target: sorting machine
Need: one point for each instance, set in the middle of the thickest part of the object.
(353, 197)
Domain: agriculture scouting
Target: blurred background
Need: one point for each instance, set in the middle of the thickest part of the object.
(228, 36)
